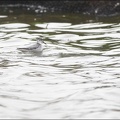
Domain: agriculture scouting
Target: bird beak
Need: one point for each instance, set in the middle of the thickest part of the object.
(43, 41)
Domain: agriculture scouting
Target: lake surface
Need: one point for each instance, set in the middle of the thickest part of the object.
(77, 75)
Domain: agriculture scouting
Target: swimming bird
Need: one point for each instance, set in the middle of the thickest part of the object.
(37, 47)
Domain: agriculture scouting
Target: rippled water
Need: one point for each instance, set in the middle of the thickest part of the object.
(76, 75)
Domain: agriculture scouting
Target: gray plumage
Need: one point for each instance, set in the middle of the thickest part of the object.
(35, 47)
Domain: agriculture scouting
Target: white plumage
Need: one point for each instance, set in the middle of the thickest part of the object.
(37, 47)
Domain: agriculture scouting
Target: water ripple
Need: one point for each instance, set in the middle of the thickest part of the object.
(76, 75)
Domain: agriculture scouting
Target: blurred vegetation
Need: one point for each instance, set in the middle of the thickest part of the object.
(90, 7)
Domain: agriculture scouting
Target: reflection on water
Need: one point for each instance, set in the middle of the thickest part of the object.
(76, 76)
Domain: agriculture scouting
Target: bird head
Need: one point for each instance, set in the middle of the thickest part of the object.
(40, 41)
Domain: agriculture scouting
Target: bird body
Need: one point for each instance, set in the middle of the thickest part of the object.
(37, 47)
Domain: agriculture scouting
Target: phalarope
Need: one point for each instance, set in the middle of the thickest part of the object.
(37, 47)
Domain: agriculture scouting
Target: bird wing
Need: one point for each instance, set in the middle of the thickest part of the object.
(32, 47)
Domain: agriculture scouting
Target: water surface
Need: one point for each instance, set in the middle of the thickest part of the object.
(76, 75)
